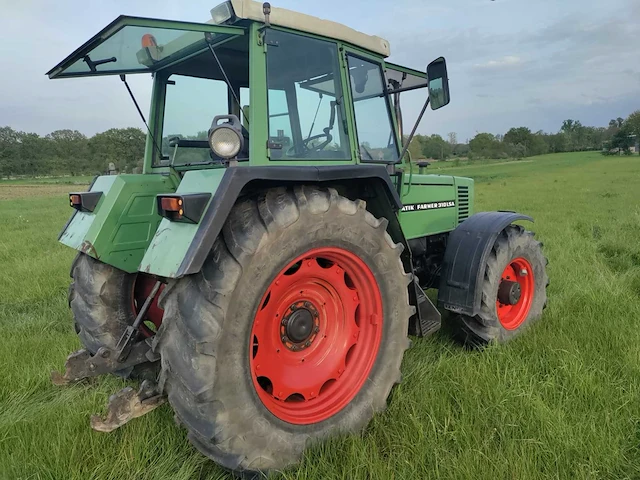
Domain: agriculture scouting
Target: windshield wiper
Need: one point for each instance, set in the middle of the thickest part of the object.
(92, 65)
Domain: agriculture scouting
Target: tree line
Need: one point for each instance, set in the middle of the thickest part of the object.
(69, 152)
(618, 137)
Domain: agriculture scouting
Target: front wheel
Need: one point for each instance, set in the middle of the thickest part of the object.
(513, 290)
(294, 330)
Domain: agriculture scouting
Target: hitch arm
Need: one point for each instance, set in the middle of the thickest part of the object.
(82, 364)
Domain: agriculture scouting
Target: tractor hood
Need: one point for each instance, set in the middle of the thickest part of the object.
(139, 45)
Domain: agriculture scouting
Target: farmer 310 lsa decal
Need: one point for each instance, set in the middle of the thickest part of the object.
(264, 272)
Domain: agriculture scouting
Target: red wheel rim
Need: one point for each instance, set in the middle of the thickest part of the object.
(316, 335)
(142, 287)
(518, 274)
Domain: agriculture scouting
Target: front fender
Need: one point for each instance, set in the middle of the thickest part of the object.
(465, 259)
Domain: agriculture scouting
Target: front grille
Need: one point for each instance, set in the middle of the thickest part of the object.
(463, 203)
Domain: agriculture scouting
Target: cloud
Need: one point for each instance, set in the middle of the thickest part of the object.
(507, 61)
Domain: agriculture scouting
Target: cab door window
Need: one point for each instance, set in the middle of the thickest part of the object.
(376, 135)
(306, 103)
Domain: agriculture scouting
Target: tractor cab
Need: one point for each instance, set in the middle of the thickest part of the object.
(257, 86)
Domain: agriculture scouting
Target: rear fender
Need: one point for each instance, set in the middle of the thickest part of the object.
(120, 228)
(463, 267)
(180, 249)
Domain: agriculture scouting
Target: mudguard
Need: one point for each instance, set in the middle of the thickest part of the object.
(120, 228)
(180, 249)
(464, 262)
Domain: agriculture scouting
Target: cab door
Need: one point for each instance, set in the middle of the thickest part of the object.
(377, 140)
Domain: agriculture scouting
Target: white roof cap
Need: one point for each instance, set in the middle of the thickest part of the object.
(252, 10)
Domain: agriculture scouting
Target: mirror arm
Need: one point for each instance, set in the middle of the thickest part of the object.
(415, 127)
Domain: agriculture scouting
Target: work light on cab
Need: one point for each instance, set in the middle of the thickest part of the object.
(222, 13)
(226, 139)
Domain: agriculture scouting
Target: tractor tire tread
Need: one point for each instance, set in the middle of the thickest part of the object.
(485, 328)
(195, 315)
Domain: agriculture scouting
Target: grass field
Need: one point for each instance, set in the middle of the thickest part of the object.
(562, 401)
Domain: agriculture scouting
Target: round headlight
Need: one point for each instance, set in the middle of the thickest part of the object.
(225, 142)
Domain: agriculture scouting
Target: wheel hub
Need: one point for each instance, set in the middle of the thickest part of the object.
(509, 292)
(300, 326)
(316, 335)
(515, 293)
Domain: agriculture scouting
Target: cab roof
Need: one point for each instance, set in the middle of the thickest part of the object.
(252, 10)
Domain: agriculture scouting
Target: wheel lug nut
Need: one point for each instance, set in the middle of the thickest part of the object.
(284, 339)
(308, 344)
(316, 330)
(307, 305)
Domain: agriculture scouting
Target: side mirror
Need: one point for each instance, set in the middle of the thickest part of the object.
(438, 83)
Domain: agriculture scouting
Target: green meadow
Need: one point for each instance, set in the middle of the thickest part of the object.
(561, 401)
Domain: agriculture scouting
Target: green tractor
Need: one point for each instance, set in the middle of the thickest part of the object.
(264, 272)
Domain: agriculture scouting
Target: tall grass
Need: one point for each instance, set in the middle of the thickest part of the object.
(562, 401)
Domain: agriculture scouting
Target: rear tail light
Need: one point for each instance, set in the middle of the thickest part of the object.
(186, 208)
(85, 201)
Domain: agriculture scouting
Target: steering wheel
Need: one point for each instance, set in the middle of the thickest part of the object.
(316, 148)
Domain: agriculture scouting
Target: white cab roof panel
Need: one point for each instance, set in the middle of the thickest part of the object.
(252, 10)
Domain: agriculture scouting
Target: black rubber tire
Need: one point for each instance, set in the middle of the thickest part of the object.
(204, 338)
(100, 300)
(485, 328)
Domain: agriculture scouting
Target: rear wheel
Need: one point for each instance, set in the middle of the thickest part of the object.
(294, 330)
(513, 291)
(104, 301)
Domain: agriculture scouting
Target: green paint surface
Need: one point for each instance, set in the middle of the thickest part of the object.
(120, 229)
(76, 232)
(173, 239)
(429, 189)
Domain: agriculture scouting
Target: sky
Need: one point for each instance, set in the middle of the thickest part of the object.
(511, 62)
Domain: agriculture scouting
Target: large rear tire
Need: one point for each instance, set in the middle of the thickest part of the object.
(513, 291)
(103, 300)
(292, 273)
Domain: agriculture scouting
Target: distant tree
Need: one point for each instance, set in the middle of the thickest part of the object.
(415, 148)
(633, 125)
(485, 145)
(621, 142)
(70, 150)
(520, 140)
(436, 147)
(453, 138)
(461, 150)
(9, 151)
(122, 146)
(557, 143)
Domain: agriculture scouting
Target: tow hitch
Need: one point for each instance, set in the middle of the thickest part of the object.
(127, 404)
